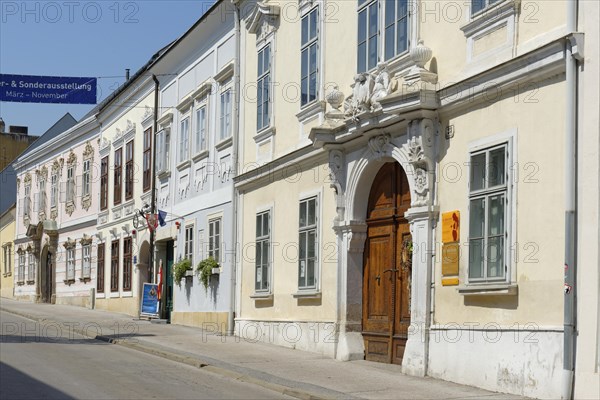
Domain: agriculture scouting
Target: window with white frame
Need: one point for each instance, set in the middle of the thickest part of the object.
(488, 211)
(189, 243)
(307, 252)
(309, 80)
(54, 191)
(86, 177)
(225, 115)
(163, 150)
(376, 44)
(27, 201)
(7, 257)
(263, 245)
(71, 263)
(263, 92)
(21, 271)
(478, 5)
(42, 195)
(71, 184)
(214, 239)
(86, 266)
(184, 140)
(31, 267)
(201, 143)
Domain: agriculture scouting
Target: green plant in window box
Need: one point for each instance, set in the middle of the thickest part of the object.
(179, 270)
(204, 269)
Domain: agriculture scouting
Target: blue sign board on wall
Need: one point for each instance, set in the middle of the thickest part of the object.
(47, 89)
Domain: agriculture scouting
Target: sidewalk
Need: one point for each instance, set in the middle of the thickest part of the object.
(291, 372)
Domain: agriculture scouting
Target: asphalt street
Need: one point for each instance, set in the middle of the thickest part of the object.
(39, 360)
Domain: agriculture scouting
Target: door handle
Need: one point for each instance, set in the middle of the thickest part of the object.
(378, 277)
(390, 270)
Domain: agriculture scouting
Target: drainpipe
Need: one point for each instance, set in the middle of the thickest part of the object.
(570, 289)
(153, 190)
(236, 141)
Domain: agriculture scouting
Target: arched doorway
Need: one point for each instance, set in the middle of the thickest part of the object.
(387, 267)
(47, 275)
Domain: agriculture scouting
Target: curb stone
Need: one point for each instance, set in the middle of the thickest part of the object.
(197, 363)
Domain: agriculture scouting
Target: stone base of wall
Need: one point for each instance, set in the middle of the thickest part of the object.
(31, 298)
(125, 305)
(79, 301)
(215, 322)
(315, 337)
(525, 362)
(7, 292)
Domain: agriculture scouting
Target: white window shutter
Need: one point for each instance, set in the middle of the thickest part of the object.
(78, 189)
(20, 206)
(36, 202)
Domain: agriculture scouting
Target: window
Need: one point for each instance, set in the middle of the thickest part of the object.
(117, 176)
(54, 191)
(21, 272)
(31, 268)
(100, 268)
(86, 264)
(86, 177)
(27, 205)
(214, 239)
(114, 266)
(42, 198)
(372, 48)
(263, 244)
(163, 150)
(127, 264)
(147, 178)
(263, 88)
(7, 258)
(201, 129)
(307, 260)
(129, 171)
(184, 140)
(309, 57)
(71, 184)
(488, 200)
(189, 243)
(104, 183)
(71, 264)
(478, 5)
(225, 116)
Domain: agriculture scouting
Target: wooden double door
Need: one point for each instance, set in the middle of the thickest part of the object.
(387, 267)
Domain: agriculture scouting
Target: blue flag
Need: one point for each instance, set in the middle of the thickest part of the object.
(161, 217)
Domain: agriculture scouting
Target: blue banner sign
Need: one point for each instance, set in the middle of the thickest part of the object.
(150, 300)
(47, 89)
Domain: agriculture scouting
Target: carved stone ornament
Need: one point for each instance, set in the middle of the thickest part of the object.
(88, 152)
(86, 239)
(70, 244)
(382, 86)
(70, 208)
(263, 21)
(367, 90)
(86, 202)
(57, 165)
(53, 213)
(420, 55)
(415, 150)
(338, 181)
(18, 183)
(356, 241)
(380, 145)
(118, 134)
(130, 126)
(104, 143)
(43, 173)
(27, 179)
(72, 159)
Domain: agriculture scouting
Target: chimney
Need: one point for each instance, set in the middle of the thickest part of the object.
(2, 125)
(21, 130)
(126, 74)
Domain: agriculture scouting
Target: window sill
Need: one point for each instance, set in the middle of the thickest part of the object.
(310, 110)
(504, 289)
(69, 282)
(307, 294)
(7, 274)
(262, 296)
(85, 280)
(20, 283)
(264, 134)
(183, 165)
(225, 143)
(201, 155)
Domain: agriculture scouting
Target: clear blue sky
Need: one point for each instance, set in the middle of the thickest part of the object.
(87, 39)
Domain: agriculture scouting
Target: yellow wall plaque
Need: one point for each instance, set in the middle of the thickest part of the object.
(450, 282)
(450, 258)
(451, 226)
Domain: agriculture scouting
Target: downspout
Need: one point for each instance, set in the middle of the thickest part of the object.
(570, 288)
(236, 141)
(153, 190)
